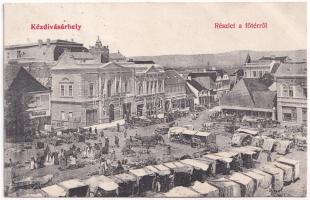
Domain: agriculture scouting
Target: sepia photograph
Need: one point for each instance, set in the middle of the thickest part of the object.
(155, 100)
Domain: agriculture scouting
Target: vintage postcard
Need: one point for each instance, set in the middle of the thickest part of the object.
(155, 99)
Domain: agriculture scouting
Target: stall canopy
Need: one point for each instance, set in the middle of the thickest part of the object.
(182, 192)
(95, 181)
(227, 154)
(73, 183)
(293, 163)
(205, 189)
(219, 158)
(247, 131)
(268, 144)
(247, 183)
(179, 167)
(277, 176)
(288, 171)
(267, 178)
(283, 146)
(253, 148)
(259, 179)
(243, 150)
(163, 169)
(54, 191)
(226, 187)
(175, 131)
(141, 172)
(124, 178)
(196, 164)
(108, 186)
(157, 171)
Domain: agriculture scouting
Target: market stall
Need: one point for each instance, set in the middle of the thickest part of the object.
(267, 181)
(182, 173)
(246, 183)
(288, 172)
(277, 176)
(182, 192)
(227, 188)
(102, 186)
(75, 188)
(291, 162)
(54, 191)
(144, 178)
(205, 189)
(126, 183)
(222, 163)
(200, 172)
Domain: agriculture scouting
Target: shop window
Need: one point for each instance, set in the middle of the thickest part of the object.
(289, 114)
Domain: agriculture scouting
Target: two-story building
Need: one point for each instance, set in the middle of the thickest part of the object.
(149, 87)
(175, 92)
(222, 82)
(202, 85)
(257, 68)
(86, 92)
(291, 87)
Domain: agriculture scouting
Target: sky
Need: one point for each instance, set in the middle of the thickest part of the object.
(146, 29)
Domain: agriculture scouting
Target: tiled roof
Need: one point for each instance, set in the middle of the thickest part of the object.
(281, 59)
(24, 82)
(292, 69)
(257, 95)
(211, 74)
(173, 77)
(202, 83)
(116, 56)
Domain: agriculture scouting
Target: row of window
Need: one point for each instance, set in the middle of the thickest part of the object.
(288, 91)
(289, 114)
(63, 115)
(255, 74)
(151, 87)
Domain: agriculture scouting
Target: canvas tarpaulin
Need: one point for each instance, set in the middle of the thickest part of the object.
(182, 192)
(267, 181)
(294, 163)
(277, 175)
(247, 184)
(268, 144)
(283, 146)
(205, 189)
(226, 187)
(288, 171)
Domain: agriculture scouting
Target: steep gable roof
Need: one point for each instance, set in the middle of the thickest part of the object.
(292, 69)
(24, 82)
(173, 77)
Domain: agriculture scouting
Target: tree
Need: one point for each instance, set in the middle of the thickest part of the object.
(17, 119)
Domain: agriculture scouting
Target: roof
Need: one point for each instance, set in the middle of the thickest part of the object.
(172, 77)
(266, 58)
(254, 175)
(197, 164)
(202, 83)
(271, 169)
(141, 172)
(24, 82)
(125, 177)
(116, 56)
(243, 130)
(181, 191)
(240, 178)
(227, 154)
(52, 42)
(203, 188)
(80, 55)
(292, 69)
(54, 191)
(216, 157)
(287, 160)
(95, 181)
(219, 72)
(162, 172)
(108, 185)
(256, 95)
(282, 166)
(211, 74)
(274, 68)
(73, 183)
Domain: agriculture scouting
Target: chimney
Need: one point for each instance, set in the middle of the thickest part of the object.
(48, 42)
(40, 42)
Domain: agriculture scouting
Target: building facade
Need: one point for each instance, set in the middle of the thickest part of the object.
(257, 68)
(88, 93)
(291, 87)
(42, 51)
(175, 92)
(149, 88)
(249, 97)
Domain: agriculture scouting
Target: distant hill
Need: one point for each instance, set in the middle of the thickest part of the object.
(227, 59)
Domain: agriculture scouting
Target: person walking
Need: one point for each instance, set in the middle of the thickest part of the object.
(96, 131)
(125, 133)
